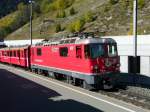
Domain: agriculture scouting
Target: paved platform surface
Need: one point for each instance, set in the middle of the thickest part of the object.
(21, 91)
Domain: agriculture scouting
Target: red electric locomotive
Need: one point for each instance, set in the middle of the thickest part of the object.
(81, 59)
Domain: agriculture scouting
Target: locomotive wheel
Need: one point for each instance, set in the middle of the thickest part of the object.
(107, 85)
(57, 76)
(32, 70)
(51, 74)
(69, 80)
(86, 86)
(39, 71)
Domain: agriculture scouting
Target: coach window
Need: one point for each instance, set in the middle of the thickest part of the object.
(39, 51)
(7, 53)
(63, 51)
(3, 53)
(78, 52)
(14, 53)
(22, 55)
(10, 53)
(18, 53)
(32, 51)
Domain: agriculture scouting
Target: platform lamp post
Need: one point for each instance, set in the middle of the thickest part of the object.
(135, 14)
(31, 14)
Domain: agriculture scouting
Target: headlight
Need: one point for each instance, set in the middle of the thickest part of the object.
(96, 67)
(118, 65)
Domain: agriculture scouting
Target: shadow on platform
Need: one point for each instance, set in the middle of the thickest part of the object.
(130, 79)
(21, 95)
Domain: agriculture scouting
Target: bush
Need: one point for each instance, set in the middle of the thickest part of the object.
(62, 4)
(107, 8)
(4, 31)
(58, 28)
(129, 3)
(72, 11)
(61, 14)
(89, 17)
(141, 4)
(45, 5)
(71, 27)
(77, 25)
(113, 1)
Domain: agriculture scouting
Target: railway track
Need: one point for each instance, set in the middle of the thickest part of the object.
(124, 95)
(129, 97)
(120, 94)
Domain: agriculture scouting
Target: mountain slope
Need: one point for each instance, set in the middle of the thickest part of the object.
(101, 16)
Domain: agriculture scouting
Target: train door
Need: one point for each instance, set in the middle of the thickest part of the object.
(79, 56)
(32, 56)
(0, 55)
(29, 56)
(18, 54)
(25, 57)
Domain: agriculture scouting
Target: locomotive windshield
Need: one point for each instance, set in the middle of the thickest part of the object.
(100, 50)
(111, 50)
(97, 50)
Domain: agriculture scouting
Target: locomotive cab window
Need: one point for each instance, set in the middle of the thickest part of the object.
(63, 51)
(97, 50)
(87, 51)
(112, 50)
(39, 51)
(94, 51)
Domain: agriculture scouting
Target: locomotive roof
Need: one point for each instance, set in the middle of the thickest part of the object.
(78, 38)
(95, 40)
(15, 48)
(89, 40)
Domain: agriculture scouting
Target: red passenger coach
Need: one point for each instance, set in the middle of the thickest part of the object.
(81, 59)
(15, 56)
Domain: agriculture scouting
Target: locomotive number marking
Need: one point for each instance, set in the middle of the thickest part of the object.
(37, 60)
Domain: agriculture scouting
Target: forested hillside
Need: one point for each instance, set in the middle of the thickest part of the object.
(58, 17)
(8, 6)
